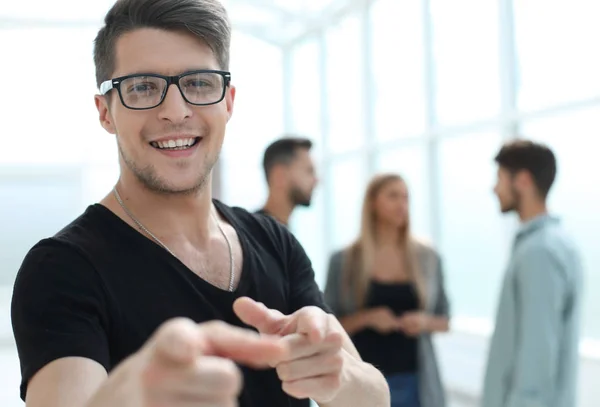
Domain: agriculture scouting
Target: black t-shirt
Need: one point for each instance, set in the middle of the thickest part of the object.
(394, 352)
(264, 212)
(99, 289)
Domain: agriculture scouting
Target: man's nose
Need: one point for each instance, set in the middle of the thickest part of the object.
(174, 107)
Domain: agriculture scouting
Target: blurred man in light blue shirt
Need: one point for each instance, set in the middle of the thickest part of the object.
(533, 359)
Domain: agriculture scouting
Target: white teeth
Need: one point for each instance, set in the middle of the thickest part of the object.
(178, 144)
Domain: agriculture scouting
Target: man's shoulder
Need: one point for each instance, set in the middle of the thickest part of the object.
(82, 227)
(70, 245)
(265, 212)
(553, 241)
(54, 265)
(259, 222)
(261, 211)
(549, 252)
(266, 235)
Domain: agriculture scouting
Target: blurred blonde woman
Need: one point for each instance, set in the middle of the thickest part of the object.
(387, 290)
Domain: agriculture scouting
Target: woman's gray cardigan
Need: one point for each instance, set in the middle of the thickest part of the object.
(431, 389)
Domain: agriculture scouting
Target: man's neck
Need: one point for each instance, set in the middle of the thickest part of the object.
(174, 218)
(279, 207)
(531, 210)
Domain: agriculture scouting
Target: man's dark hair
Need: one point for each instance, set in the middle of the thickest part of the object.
(536, 158)
(206, 19)
(283, 151)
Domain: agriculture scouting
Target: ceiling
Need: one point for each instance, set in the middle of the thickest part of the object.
(276, 21)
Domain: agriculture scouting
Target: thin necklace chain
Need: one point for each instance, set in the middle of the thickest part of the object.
(164, 246)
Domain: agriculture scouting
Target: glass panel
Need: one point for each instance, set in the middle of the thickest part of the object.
(252, 127)
(35, 205)
(575, 195)
(9, 363)
(557, 54)
(244, 15)
(53, 119)
(475, 241)
(399, 98)
(305, 94)
(98, 180)
(345, 85)
(411, 163)
(465, 41)
(63, 10)
(347, 180)
(308, 225)
(298, 6)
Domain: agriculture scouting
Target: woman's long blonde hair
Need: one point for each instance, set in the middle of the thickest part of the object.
(359, 257)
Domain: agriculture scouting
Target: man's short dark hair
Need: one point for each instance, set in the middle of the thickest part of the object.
(283, 151)
(536, 158)
(206, 19)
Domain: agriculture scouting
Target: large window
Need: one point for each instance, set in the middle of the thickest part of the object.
(48, 104)
(557, 42)
(466, 59)
(256, 121)
(51, 137)
(308, 225)
(345, 85)
(575, 195)
(347, 182)
(427, 96)
(36, 204)
(305, 93)
(474, 238)
(398, 68)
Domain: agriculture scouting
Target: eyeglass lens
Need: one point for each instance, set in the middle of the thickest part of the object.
(200, 88)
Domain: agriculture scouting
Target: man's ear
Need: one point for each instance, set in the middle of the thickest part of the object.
(229, 100)
(523, 180)
(278, 175)
(105, 117)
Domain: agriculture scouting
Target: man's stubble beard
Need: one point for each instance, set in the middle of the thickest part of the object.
(515, 202)
(298, 198)
(148, 177)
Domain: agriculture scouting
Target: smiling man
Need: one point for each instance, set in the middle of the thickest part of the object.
(153, 296)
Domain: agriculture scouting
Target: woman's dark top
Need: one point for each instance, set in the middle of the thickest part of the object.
(394, 352)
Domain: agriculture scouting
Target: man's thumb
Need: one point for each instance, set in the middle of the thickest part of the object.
(176, 342)
(257, 315)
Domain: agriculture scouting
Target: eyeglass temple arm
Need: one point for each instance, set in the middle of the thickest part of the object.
(106, 86)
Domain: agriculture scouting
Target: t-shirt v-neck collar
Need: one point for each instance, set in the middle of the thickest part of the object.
(150, 244)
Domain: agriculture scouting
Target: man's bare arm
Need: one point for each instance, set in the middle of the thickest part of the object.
(65, 382)
(182, 364)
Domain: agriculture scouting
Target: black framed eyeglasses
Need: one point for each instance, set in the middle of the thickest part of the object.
(146, 91)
